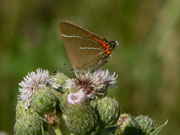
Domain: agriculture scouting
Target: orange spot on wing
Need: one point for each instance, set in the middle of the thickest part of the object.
(104, 44)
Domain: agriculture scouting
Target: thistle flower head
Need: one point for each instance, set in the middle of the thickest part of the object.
(92, 83)
(102, 78)
(34, 81)
(76, 97)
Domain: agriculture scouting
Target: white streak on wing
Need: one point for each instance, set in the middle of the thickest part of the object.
(90, 48)
(70, 36)
(100, 61)
(101, 53)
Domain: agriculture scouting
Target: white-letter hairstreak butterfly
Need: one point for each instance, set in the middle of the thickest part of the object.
(86, 50)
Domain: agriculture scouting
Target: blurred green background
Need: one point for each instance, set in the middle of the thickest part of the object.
(147, 60)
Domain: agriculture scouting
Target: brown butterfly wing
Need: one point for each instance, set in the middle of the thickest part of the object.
(83, 51)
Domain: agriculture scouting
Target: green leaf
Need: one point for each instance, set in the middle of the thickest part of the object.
(111, 129)
(158, 129)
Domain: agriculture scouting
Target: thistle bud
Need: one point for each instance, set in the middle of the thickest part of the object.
(127, 125)
(147, 124)
(81, 119)
(30, 124)
(21, 111)
(60, 80)
(108, 109)
(80, 116)
(63, 103)
(43, 100)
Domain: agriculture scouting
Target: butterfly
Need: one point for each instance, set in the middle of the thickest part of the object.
(86, 50)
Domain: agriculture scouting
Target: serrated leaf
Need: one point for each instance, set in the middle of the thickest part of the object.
(158, 129)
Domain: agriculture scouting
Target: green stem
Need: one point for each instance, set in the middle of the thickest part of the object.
(57, 131)
(56, 128)
(100, 130)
